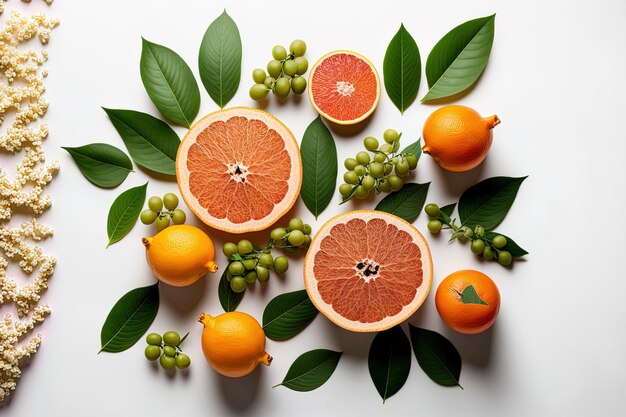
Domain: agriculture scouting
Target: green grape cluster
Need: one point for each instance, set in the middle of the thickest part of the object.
(384, 170)
(167, 350)
(487, 248)
(162, 210)
(284, 72)
(295, 235)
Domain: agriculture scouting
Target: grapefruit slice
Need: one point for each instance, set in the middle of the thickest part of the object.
(239, 170)
(344, 87)
(368, 270)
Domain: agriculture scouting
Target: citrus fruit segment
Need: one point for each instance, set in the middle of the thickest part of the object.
(368, 270)
(239, 169)
(344, 87)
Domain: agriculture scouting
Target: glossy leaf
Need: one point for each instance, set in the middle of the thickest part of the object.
(311, 370)
(288, 314)
(220, 59)
(170, 83)
(319, 167)
(406, 203)
(402, 69)
(437, 357)
(229, 299)
(124, 212)
(151, 142)
(415, 148)
(512, 247)
(488, 202)
(448, 210)
(102, 164)
(469, 296)
(389, 361)
(129, 319)
(458, 59)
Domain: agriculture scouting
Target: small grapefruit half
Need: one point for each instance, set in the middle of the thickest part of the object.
(368, 270)
(344, 87)
(239, 169)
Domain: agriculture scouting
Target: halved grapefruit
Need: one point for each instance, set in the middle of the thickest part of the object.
(344, 87)
(368, 270)
(239, 169)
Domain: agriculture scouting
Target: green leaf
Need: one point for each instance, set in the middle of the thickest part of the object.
(415, 148)
(402, 69)
(437, 357)
(229, 299)
(406, 203)
(488, 202)
(169, 82)
(311, 370)
(458, 59)
(220, 59)
(124, 212)
(102, 164)
(469, 296)
(389, 361)
(447, 210)
(288, 314)
(512, 247)
(319, 167)
(151, 142)
(129, 319)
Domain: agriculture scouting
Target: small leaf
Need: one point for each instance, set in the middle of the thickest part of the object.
(488, 202)
(229, 299)
(170, 83)
(311, 370)
(415, 148)
(102, 164)
(469, 296)
(406, 203)
(389, 361)
(456, 235)
(512, 247)
(448, 210)
(124, 212)
(402, 69)
(458, 59)
(220, 59)
(437, 357)
(129, 319)
(288, 314)
(319, 167)
(151, 142)
(349, 196)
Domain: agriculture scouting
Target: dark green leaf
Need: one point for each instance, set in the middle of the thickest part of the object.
(124, 212)
(102, 164)
(402, 69)
(170, 83)
(349, 196)
(229, 299)
(151, 142)
(319, 167)
(220, 59)
(437, 357)
(512, 247)
(448, 210)
(129, 319)
(288, 314)
(469, 296)
(458, 59)
(488, 202)
(406, 203)
(415, 148)
(311, 370)
(389, 361)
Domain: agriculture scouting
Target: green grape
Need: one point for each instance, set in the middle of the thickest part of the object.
(351, 178)
(386, 148)
(290, 67)
(468, 232)
(229, 249)
(377, 170)
(259, 92)
(154, 339)
(307, 241)
(391, 135)
(307, 229)
(345, 189)
(258, 75)
(380, 157)
(171, 338)
(279, 52)
(370, 143)
(238, 284)
(167, 362)
(170, 201)
(148, 216)
(480, 231)
(298, 85)
(298, 47)
(395, 182)
(152, 352)
(412, 161)
(350, 163)
(395, 160)
(281, 264)
(278, 233)
(266, 260)
(162, 222)
(179, 216)
(249, 264)
(169, 351)
(361, 192)
(383, 185)
(263, 273)
(434, 226)
(488, 253)
(251, 277)
(155, 204)
(477, 247)
(236, 268)
(368, 182)
(432, 210)
(296, 224)
(363, 158)
(499, 241)
(302, 64)
(402, 169)
(360, 170)
(274, 68)
(282, 87)
(388, 168)
(269, 82)
(244, 246)
(504, 258)
(296, 238)
(229, 276)
(182, 361)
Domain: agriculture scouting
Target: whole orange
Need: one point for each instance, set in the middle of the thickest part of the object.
(457, 137)
(468, 301)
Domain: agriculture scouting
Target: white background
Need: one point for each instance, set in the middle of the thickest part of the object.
(556, 80)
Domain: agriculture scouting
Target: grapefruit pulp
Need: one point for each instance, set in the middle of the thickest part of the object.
(368, 270)
(239, 170)
(344, 87)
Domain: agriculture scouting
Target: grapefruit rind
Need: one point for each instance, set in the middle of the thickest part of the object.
(295, 175)
(407, 311)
